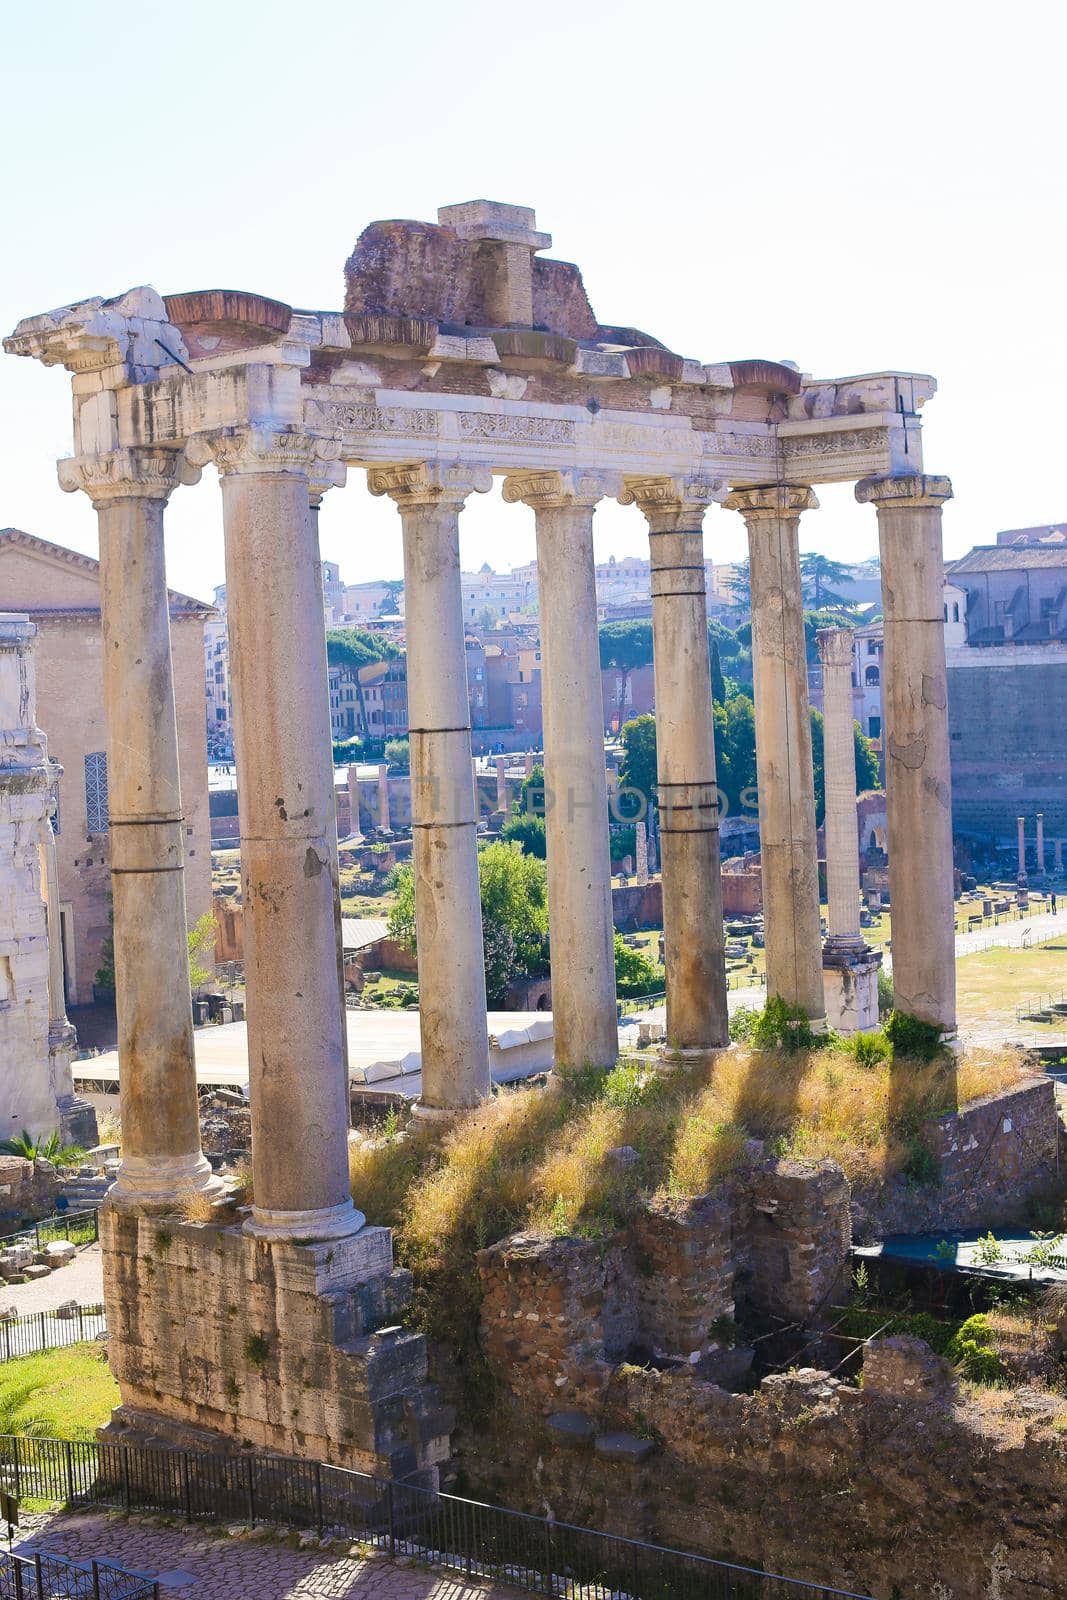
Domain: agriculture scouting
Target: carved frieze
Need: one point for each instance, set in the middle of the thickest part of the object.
(363, 418)
(523, 430)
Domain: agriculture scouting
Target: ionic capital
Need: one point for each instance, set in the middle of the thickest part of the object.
(429, 483)
(771, 500)
(912, 491)
(554, 490)
(673, 505)
(324, 476)
(835, 647)
(139, 472)
(262, 447)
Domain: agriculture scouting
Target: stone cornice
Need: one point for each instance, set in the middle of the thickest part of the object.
(914, 491)
(771, 500)
(673, 505)
(135, 473)
(429, 483)
(259, 447)
(554, 490)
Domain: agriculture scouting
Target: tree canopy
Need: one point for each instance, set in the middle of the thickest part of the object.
(638, 766)
(357, 647)
(626, 645)
(514, 896)
(818, 575)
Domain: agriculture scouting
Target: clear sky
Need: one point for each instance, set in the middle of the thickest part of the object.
(852, 186)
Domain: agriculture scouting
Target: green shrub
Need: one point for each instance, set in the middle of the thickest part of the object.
(885, 993)
(868, 1049)
(743, 1022)
(972, 1351)
(921, 1165)
(912, 1037)
(781, 1027)
(628, 1086)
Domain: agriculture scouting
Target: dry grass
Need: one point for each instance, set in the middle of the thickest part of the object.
(541, 1161)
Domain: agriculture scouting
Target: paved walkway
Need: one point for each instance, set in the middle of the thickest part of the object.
(82, 1280)
(203, 1564)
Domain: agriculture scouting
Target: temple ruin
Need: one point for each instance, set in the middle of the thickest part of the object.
(461, 353)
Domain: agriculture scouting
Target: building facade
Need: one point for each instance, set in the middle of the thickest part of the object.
(60, 591)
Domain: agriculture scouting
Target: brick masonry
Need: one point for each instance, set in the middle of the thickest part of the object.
(995, 1158)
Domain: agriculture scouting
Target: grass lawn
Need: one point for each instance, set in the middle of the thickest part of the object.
(63, 1394)
(993, 984)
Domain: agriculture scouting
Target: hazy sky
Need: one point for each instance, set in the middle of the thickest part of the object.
(850, 186)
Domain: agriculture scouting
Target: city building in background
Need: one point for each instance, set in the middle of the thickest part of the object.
(60, 591)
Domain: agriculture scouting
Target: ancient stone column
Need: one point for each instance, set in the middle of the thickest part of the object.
(850, 967)
(502, 785)
(1040, 844)
(76, 1117)
(581, 931)
(298, 1082)
(788, 847)
(161, 1157)
(383, 797)
(1058, 856)
(444, 812)
(528, 763)
(1020, 828)
(641, 848)
(685, 763)
(918, 779)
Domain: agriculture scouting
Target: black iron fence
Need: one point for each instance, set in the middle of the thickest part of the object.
(441, 1530)
(77, 1227)
(39, 1576)
(49, 1330)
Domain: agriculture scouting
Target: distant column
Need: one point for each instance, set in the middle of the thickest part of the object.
(448, 914)
(353, 801)
(161, 1155)
(1040, 844)
(1020, 825)
(528, 763)
(687, 792)
(502, 785)
(581, 930)
(1058, 857)
(788, 846)
(641, 839)
(850, 967)
(918, 774)
(384, 825)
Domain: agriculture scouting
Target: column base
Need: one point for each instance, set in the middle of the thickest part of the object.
(441, 1117)
(163, 1182)
(324, 1222)
(850, 984)
(692, 1055)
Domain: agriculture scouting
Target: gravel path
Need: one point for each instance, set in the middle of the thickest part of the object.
(202, 1564)
(81, 1280)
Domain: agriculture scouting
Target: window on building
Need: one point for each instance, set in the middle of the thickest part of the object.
(871, 677)
(220, 714)
(874, 727)
(96, 792)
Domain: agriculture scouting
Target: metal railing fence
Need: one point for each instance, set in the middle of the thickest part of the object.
(440, 1530)
(49, 1330)
(77, 1227)
(40, 1576)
